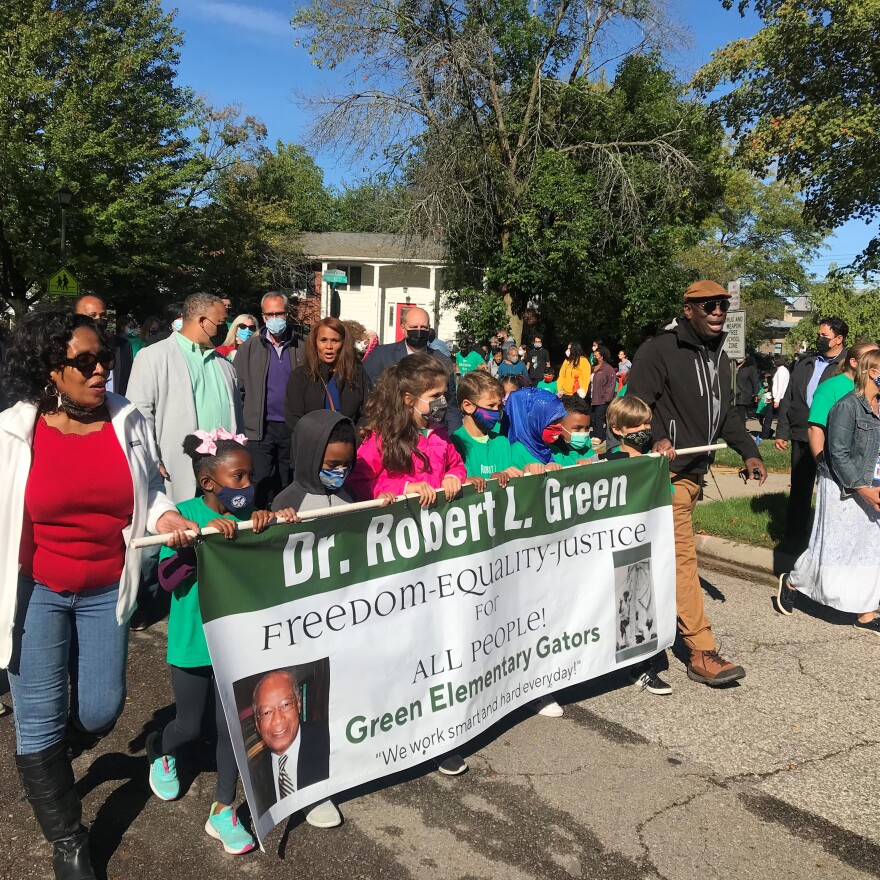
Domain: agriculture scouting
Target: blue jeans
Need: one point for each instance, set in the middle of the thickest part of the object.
(57, 635)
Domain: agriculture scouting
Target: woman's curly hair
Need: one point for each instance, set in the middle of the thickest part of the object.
(37, 347)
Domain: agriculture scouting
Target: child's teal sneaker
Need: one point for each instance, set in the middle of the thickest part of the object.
(163, 772)
(225, 827)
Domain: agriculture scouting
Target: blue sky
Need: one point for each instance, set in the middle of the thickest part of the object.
(244, 52)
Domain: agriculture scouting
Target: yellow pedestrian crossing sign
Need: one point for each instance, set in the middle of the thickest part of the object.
(62, 283)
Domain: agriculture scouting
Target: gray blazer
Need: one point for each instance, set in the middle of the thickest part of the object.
(160, 387)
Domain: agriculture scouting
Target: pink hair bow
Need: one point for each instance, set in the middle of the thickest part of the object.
(209, 439)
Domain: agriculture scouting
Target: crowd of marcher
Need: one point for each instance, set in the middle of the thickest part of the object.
(188, 421)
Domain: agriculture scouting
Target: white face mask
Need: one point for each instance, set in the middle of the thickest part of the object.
(568, 352)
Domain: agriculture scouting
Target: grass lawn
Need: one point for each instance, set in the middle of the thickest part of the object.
(776, 461)
(759, 520)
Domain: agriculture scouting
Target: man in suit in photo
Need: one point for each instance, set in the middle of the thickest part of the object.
(296, 753)
(417, 328)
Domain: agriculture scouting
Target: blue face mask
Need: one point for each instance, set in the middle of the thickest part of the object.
(237, 500)
(131, 332)
(177, 324)
(243, 334)
(487, 419)
(276, 326)
(333, 478)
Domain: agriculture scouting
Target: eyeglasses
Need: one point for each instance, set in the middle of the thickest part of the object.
(709, 305)
(284, 706)
(87, 361)
(274, 314)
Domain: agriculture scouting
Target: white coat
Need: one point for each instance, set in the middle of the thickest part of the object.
(17, 426)
(161, 389)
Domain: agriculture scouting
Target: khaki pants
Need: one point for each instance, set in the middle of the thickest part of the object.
(693, 624)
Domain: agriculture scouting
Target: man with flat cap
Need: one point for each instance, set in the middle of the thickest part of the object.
(684, 376)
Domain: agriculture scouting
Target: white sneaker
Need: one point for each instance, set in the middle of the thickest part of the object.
(324, 815)
(452, 765)
(546, 706)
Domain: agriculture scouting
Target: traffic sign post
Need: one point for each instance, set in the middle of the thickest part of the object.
(62, 283)
(733, 288)
(735, 327)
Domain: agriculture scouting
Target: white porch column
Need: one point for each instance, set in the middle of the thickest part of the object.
(325, 292)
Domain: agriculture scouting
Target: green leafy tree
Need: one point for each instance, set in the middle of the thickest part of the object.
(373, 206)
(90, 100)
(461, 101)
(480, 312)
(757, 232)
(247, 233)
(805, 102)
(592, 275)
(839, 297)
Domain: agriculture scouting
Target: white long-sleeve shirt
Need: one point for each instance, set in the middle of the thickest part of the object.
(781, 378)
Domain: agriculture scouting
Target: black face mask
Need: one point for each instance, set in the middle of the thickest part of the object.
(218, 337)
(101, 324)
(418, 338)
(639, 440)
(822, 344)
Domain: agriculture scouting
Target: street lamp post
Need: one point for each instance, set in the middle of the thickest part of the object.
(65, 196)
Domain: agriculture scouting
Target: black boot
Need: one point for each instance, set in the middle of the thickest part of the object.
(47, 779)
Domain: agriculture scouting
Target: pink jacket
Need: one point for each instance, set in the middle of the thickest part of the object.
(369, 476)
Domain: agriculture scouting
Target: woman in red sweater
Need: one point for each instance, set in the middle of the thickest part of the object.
(81, 477)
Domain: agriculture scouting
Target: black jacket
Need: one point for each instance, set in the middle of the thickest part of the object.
(252, 367)
(680, 377)
(793, 410)
(748, 384)
(305, 395)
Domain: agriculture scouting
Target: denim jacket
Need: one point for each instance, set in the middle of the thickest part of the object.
(853, 444)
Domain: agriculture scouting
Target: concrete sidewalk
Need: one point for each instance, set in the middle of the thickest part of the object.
(775, 777)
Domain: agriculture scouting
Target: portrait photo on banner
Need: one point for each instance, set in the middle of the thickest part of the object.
(284, 724)
(635, 603)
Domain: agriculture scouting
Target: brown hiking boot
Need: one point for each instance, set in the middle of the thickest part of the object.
(710, 668)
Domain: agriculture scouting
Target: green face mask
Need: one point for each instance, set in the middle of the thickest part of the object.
(579, 439)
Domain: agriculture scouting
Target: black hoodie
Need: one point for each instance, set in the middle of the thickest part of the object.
(309, 444)
(686, 382)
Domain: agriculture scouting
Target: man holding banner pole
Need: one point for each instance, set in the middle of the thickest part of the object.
(684, 375)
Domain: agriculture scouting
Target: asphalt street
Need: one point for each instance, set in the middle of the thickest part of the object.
(773, 778)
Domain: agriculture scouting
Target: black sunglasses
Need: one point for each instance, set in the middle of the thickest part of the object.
(709, 305)
(248, 326)
(87, 361)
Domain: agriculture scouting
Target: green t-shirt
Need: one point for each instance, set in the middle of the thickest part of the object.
(468, 363)
(186, 635)
(560, 453)
(565, 455)
(827, 394)
(483, 457)
(548, 386)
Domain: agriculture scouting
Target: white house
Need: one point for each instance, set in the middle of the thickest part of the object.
(386, 275)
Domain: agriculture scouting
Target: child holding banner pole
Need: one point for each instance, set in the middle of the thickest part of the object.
(224, 471)
(629, 421)
(540, 428)
(407, 451)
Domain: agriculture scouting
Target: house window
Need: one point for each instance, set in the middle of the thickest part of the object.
(354, 274)
(777, 348)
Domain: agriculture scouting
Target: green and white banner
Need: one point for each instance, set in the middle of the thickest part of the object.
(364, 643)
